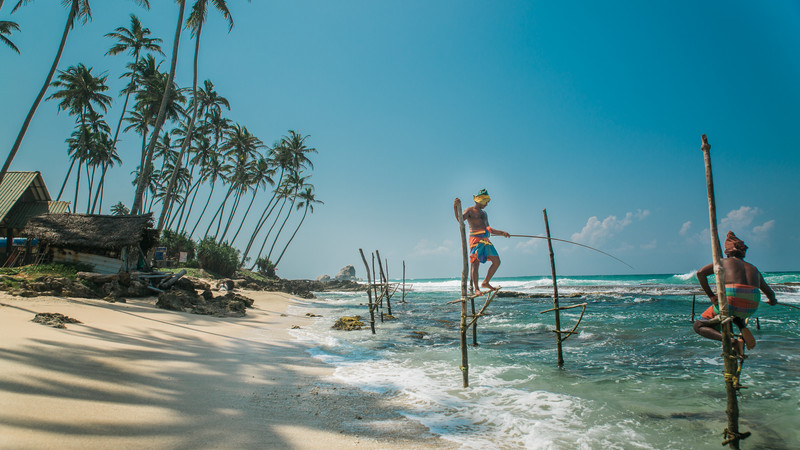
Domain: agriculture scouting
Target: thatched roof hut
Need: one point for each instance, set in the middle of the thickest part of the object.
(92, 232)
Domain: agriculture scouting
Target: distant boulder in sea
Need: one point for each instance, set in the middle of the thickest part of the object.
(346, 273)
(324, 278)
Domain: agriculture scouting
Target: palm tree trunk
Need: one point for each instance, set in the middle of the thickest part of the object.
(187, 140)
(70, 22)
(162, 113)
(219, 211)
(61, 191)
(77, 186)
(286, 219)
(100, 187)
(291, 238)
(233, 212)
(266, 238)
(203, 211)
(247, 211)
(125, 105)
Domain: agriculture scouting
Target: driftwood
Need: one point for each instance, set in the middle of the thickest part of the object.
(731, 433)
(369, 293)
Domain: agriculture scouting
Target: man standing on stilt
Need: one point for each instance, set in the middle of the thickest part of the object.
(481, 249)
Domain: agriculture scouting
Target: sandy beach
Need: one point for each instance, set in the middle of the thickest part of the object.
(131, 375)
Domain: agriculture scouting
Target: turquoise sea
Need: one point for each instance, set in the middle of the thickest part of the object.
(635, 376)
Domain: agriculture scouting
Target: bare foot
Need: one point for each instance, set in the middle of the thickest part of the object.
(487, 286)
(748, 338)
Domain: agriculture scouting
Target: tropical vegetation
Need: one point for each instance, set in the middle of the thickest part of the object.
(208, 179)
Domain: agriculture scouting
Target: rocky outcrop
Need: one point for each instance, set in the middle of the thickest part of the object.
(299, 288)
(228, 305)
(346, 273)
(55, 320)
(348, 323)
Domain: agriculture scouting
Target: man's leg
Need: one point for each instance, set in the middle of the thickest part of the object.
(495, 260)
(474, 272)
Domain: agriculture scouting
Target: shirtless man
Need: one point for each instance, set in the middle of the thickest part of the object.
(742, 284)
(480, 249)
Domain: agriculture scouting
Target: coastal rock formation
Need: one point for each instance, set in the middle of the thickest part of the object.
(348, 323)
(347, 272)
(299, 288)
(324, 278)
(228, 305)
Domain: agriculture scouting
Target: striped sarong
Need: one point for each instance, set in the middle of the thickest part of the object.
(743, 299)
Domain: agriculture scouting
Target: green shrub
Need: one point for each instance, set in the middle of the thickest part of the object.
(176, 243)
(265, 267)
(219, 258)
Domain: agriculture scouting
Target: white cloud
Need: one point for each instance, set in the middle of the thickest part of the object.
(650, 245)
(685, 228)
(761, 232)
(596, 231)
(427, 248)
(530, 245)
(738, 219)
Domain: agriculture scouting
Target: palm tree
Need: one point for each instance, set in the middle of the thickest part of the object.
(195, 22)
(144, 176)
(107, 157)
(132, 40)
(5, 30)
(79, 94)
(119, 209)
(78, 9)
(214, 170)
(242, 148)
(290, 155)
(307, 201)
(296, 183)
(262, 174)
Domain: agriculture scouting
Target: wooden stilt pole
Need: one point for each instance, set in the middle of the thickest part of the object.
(693, 299)
(731, 433)
(403, 298)
(555, 290)
(369, 293)
(464, 271)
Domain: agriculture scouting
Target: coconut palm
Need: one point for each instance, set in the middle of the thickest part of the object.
(80, 10)
(107, 157)
(6, 27)
(80, 92)
(263, 171)
(295, 182)
(216, 169)
(144, 177)
(242, 148)
(290, 156)
(195, 22)
(307, 200)
(133, 40)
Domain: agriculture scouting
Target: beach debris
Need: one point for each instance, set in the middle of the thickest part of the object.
(346, 323)
(55, 320)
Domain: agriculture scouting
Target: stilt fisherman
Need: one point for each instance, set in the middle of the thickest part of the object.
(480, 248)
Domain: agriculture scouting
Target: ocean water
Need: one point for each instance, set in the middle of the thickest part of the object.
(635, 375)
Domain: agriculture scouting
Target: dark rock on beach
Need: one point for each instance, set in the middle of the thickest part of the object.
(228, 305)
(55, 320)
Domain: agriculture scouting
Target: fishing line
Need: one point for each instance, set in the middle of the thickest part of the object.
(574, 243)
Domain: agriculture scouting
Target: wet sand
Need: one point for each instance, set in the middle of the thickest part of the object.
(131, 375)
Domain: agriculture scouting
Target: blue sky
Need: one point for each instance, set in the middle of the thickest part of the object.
(592, 110)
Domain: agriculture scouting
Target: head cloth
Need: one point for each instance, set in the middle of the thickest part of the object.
(481, 197)
(734, 246)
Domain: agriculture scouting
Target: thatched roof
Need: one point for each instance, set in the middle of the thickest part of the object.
(90, 231)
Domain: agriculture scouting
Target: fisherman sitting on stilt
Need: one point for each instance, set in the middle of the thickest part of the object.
(481, 249)
(742, 284)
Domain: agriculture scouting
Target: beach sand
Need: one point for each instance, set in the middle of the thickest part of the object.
(131, 375)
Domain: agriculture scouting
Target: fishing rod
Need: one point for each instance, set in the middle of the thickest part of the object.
(790, 306)
(575, 243)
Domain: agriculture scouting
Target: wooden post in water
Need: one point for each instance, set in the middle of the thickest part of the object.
(464, 274)
(403, 299)
(731, 433)
(369, 293)
(385, 282)
(555, 290)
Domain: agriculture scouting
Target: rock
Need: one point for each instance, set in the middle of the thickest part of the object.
(199, 284)
(348, 323)
(346, 273)
(55, 320)
(178, 300)
(324, 278)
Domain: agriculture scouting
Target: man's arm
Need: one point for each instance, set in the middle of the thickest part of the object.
(496, 232)
(768, 290)
(702, 277)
